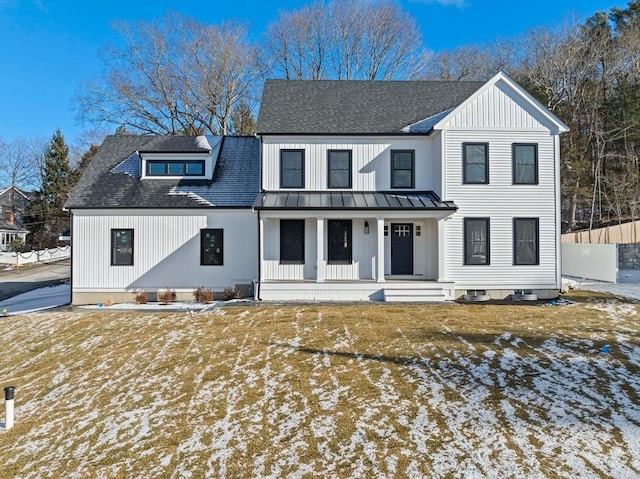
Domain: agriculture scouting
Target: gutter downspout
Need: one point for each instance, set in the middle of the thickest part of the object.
(257, 287)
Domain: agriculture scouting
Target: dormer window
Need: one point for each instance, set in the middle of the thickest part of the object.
(175, 168)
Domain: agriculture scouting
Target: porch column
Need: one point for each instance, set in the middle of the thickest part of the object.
(261, 248)
(320, 262)
(441, 249)
(380, 255)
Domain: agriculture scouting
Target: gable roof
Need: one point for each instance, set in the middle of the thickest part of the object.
(529, 99)
(107, 184)
(354, 106)
(5, 226)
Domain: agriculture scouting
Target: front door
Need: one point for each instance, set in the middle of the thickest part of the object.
(401, 248)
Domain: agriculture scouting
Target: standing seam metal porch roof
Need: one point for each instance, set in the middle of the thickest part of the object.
(352, 200)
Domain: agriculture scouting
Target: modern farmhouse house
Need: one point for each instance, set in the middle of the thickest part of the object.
(413, 190)
(352, 190)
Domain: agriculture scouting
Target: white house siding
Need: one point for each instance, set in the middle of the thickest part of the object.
(363, 253)
(371, 161)
(166, 250)
(364, 250)
(501, 201)
(498, 107)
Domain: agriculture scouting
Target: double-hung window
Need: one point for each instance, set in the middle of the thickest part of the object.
(475, 161)
(339, 235)
(292, 168)
(339, 166)
(525, 163)
(476, 241)
(292, 241)
(121, 247)
(402, 169)
(526, 241)
(211, 247)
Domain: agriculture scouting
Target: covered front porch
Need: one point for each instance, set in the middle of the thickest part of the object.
(338, 251)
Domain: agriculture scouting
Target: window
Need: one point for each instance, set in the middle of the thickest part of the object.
(402, 168)
(475, 159)
(339, 234)
(211, 247)
(292, 241)
(525, 241)
(122, 247)
(525, 164)
(339, 162)
(476, 241)
(175, 168)
(292, 168)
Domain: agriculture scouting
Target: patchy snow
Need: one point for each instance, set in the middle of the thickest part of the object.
(628, 284)
(291, 404)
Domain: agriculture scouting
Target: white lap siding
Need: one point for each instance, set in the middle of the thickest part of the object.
(166, 249)
(501, 201)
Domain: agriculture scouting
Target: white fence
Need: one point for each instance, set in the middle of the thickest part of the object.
(49, 254)
(590, 261)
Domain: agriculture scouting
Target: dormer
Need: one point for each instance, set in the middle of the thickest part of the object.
(194, 161)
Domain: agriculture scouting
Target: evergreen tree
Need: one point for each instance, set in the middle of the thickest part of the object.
(45, 217)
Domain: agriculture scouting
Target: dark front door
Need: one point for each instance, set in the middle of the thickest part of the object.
(401, 248)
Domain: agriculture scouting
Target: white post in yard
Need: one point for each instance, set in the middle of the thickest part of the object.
(8, 407)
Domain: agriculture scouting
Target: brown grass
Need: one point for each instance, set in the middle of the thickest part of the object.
(325, 391)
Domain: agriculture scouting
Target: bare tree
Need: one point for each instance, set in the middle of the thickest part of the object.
(471, 62)
(345, 40)
(171, 76)
(19, 163)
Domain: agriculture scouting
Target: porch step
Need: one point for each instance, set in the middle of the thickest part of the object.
(425, 294)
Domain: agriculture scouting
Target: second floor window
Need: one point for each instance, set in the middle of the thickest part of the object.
(339, 166)
(175, 168)
(475, 161)
(291, 168)
(402, 169)
(525, 164)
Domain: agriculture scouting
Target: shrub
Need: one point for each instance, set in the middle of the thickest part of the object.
(230, 293)
(166, 296)
(142, 297)
(203, 295)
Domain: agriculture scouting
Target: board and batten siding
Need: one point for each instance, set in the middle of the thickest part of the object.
(502, 201)
(363, 253)
(166, 249)
(498, 107)
(371, 161)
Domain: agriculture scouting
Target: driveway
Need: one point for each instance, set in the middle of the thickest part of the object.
(27, 278)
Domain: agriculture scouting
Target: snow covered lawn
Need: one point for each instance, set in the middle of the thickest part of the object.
(326, 391)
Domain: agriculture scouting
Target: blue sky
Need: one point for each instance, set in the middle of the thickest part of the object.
(48, 47)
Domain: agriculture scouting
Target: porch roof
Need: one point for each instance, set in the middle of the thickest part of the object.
(352, 200)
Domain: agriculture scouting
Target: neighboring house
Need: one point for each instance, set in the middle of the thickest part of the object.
(407, 191)
(13, 203)
(10, 231)
(154, 212)
(353, 190)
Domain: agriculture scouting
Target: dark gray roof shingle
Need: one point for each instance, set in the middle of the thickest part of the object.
(355, 107)
(235, 183)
